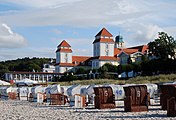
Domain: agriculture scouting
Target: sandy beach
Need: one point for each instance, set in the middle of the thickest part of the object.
(24, 110)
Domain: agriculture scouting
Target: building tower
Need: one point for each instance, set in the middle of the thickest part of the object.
(119, 43)
(103, 44)
(63, 57)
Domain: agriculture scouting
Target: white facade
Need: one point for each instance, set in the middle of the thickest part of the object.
(35, 76)
(135, 57)
(48, 68)
(103, 52)
(98, 63)
(103, 49)
(61, 69)
(63, 57)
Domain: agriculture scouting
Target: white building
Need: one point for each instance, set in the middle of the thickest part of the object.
(105, 50)
(40, 77)
(49, 68)
(63, 57)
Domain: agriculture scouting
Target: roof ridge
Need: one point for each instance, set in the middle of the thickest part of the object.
(104, 32)
(64, 43)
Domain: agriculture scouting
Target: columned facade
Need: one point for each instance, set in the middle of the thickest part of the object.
(36, 76)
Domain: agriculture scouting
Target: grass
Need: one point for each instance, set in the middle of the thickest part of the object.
(136, 80)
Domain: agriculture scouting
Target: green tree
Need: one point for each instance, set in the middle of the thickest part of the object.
(127, 68)
(103, 71)
(111, 67)
(24, 64)
(3, 69)
(80, 71)
(163, 46)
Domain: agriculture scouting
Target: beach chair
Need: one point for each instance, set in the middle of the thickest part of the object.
(137, 99)
(104, 98)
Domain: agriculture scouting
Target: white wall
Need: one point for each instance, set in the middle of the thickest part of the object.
(61, 57)
(48, 68)
(103, 49)
(98, 63)
(99, 49)
(61, 69)
(136, 57)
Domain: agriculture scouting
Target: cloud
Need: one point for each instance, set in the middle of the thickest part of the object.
(140, 20)
(139, 34)
(79, 46)
(81, 13)
(40, 3)
(145, 33)
(10, 39)
(56, 31)
(171, 31)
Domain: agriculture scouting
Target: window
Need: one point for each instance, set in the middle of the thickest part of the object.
(107, 52)
(93, 64)
(66, 60)
(66, 55)
(89, 63)
(47, 66)
(96, 64)
(107, 46)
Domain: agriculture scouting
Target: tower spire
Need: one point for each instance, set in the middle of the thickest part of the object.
(119, 43)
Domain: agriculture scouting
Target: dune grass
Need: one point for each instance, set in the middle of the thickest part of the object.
(136, 80)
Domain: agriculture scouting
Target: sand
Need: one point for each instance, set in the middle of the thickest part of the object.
(24, 110)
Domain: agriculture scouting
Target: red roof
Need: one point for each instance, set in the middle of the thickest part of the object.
(117, 51)
(80, 58)
(63, 44)
(141, 48)
(105, 40)
(108, 58)
(145, 48)
(130, 51)
(64, 50)
(126, 50)
(104, 32)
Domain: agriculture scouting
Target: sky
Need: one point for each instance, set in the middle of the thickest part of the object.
(34, 28)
